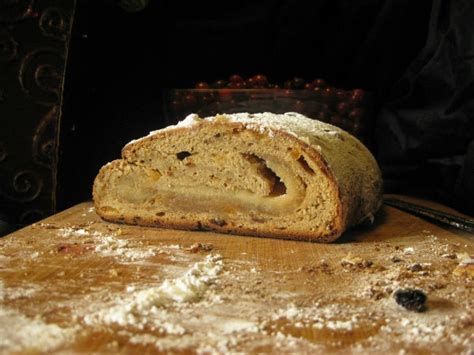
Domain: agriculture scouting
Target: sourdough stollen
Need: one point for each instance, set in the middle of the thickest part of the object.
(265, 174)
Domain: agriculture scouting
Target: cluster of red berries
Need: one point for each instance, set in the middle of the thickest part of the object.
(316, 99)
(260, 81)
(235, 81)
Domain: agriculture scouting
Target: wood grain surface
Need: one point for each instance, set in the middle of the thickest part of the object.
(74, 283)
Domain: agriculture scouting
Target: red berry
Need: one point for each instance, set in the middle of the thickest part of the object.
(356, 114)
(288, 92)
(319, 82)
(260, 79)
(317, 90)
(299, 106)
(30, 12)
(190, 100)
(235, 85)
(220, 83)
(178, 94)
(356, 128)
(336, 120)
(250, 83)
(298, 83)
(343, 107)
(225, 95)
(328, 92)
(341, 94)
(175, 105)
(236, 79)
(325, 107)
(357, 95)
(322, 116)
(205, 99)
(202, 85)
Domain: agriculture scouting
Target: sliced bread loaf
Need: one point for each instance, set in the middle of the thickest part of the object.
(271, 175)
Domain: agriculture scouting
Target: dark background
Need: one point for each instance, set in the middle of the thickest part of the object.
(414, 56)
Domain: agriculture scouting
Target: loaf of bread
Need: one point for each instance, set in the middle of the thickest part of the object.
(265, 174)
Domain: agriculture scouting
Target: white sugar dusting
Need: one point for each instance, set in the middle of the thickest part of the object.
(320, 317)
(292, 123)
(142, 307)
(20, 333)
(13, 293)
(109, 245)
(190, 120)
(73, 232)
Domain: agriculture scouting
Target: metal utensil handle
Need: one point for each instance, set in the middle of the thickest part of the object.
(443, 217)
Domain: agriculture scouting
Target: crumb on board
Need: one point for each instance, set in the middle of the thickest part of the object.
(355, 261)
(197, 247)
(465, 267)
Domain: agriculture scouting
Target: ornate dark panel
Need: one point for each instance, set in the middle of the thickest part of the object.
(33, 46)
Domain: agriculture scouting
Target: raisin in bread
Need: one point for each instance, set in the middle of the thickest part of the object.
(272, 175)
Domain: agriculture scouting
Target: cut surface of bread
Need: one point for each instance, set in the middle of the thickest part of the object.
(270, 175)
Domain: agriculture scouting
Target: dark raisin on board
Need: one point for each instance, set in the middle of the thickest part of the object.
(413, 300)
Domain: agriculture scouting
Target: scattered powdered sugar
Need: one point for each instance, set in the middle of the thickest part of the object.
(239, 325)
(337, 325)
(416, 329)
(424, 332)
(333, 316)
(74, 232)
(21, 333)
(13, 293)
(18, 292)
(208, 343)
(110, 245)
(145, 306)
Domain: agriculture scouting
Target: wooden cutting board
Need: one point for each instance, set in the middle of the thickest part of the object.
(73, 283)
